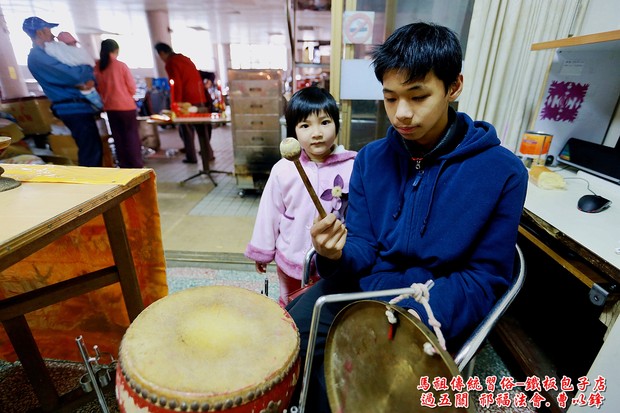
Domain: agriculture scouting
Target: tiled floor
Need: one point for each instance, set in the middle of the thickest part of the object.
(224, 200)
(200, 221)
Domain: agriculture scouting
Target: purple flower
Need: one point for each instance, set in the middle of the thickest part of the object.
(337, 196)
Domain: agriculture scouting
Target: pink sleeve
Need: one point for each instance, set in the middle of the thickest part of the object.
(262, 246)
(129, 80)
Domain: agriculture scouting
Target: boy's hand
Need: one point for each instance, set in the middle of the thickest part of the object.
(328, 236)
(261, 267)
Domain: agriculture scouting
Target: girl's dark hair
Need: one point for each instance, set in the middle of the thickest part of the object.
(417, 49)
(308, 101)
(107, 46)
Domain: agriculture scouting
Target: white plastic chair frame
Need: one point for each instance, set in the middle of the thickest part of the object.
(466, 352)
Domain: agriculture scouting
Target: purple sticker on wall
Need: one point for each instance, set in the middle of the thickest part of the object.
(564, 99)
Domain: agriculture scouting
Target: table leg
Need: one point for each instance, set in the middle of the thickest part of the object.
(204, 157)
(19, 333)
(121, 251)
(197, 175)
(205, 154)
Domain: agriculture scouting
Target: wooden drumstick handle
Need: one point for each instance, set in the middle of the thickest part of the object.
(291, 150)
(306, 181)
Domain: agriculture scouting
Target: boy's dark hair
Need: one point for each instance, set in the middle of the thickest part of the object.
(163, 47)
(207, 75)
(307, 101)
(417, 49)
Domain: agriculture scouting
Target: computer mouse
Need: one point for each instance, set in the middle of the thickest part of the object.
(593, 203)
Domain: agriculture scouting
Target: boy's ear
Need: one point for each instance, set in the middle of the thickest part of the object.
(455, 88)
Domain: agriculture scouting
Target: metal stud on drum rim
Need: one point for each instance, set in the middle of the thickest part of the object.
(367, 364)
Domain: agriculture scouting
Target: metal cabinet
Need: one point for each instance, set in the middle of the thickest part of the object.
(256, 104)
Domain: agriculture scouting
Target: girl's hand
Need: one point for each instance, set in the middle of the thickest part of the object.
(261, 267)
(328, 236)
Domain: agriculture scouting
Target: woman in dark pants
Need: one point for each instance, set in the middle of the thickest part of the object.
(116, 85)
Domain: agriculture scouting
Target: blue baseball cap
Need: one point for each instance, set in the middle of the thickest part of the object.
(32, 24)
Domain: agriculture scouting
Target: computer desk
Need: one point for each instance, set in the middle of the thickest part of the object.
(593, 236)
(587, 245)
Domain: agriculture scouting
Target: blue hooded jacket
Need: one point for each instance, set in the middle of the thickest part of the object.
(454, 220)
(59, 82)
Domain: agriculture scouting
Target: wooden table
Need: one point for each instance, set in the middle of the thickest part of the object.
(204, 145)
(36, 214)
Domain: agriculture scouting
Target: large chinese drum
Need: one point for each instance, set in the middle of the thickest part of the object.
(208, 349)
(374, 365)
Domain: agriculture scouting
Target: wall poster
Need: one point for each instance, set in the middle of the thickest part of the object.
(580, 96)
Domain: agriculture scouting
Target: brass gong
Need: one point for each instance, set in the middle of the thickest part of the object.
(370, 368)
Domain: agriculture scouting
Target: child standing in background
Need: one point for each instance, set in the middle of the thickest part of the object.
(286, 212)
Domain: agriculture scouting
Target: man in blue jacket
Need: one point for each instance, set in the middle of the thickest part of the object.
(437, 199)
(60, 84)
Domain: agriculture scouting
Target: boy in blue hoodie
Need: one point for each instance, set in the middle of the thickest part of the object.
(437, 199)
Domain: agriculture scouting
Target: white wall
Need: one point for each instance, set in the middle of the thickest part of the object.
(601, 16)
(604, 16)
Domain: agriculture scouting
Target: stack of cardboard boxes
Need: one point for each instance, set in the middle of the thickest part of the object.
(34, 116)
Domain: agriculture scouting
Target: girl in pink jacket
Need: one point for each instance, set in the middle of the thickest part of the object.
(286, 212)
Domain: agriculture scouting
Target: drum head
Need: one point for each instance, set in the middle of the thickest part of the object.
(210, 348)
(367, 371)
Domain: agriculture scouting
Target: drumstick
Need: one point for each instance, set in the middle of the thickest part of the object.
(291, 150)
